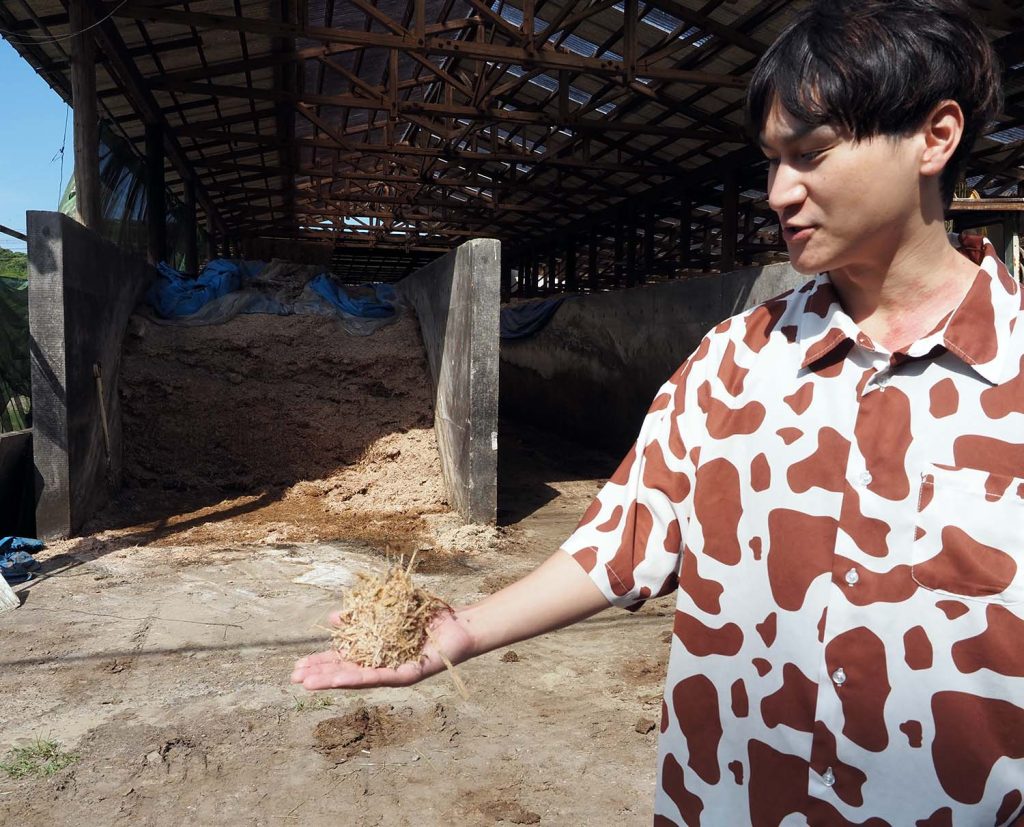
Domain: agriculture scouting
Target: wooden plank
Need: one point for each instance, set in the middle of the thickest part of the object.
(987, 205)
(13, 233)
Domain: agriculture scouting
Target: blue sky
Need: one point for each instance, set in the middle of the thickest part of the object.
(31, 133)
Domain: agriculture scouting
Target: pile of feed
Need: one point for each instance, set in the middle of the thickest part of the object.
(385, 619)
(278, 429)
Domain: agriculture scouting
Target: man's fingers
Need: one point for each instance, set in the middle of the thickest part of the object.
(326, 670)
(320, 657)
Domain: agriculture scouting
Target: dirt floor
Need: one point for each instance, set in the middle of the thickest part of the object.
(162, 665)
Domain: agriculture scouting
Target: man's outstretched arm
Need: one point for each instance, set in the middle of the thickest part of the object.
(557, 593)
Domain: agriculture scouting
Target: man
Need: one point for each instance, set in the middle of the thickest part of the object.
(834, 480)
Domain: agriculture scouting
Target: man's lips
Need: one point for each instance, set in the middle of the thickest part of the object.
(794, 233)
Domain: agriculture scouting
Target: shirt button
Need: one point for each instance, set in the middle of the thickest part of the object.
(839, 677)
(829, 777)
(852, 577)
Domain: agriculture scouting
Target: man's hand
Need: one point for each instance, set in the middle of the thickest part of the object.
(329, 670)
(556, 594)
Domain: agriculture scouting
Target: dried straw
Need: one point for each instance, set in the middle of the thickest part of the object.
(386, 619)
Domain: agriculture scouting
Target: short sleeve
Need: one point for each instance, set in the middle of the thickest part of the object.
(630, 538)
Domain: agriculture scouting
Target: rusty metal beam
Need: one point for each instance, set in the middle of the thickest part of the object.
(546, 56)
(109, 40)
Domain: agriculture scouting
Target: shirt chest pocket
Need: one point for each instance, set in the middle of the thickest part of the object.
(969, 538)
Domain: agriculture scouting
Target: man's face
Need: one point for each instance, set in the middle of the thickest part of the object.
(841, 203)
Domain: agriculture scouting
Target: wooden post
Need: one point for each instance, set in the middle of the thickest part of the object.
(649, 242)
(630, 18)
(87, 119)
(730, 221)
(551, 283)
(211, 238)
(191, 242)
(592, 274)
(506, 275)
(421, 21)
(705, 250)
(685, 239)
(631, 243)
(619, 252)
(570, 265)
(156, 196)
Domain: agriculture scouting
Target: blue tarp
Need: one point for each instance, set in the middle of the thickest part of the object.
(365, 308)
(174, 296)
(523, 320)
(16, 564)
(227, 288)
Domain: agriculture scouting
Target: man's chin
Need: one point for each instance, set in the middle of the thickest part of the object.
(807, 264)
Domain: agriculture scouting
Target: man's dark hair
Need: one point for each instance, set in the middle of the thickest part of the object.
(879, 67)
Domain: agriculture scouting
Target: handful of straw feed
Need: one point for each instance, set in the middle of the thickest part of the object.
(386, 621)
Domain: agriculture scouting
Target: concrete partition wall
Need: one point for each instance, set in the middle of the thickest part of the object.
(81, 292)
(456, 299)
(17, 500)
(593, 371)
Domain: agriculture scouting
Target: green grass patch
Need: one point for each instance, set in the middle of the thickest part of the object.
(316, 702)
(41, 758)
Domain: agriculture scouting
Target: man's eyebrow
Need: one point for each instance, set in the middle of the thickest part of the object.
(792, 136)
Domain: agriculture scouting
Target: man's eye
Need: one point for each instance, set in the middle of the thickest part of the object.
(813, 155)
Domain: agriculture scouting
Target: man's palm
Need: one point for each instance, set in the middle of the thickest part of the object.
(329, 670)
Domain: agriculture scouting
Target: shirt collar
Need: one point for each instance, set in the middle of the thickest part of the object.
(977, 331)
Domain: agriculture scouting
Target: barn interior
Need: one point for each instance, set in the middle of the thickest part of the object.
(565, 199)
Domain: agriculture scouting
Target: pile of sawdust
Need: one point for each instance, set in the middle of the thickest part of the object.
(385, 619)
(277, 429)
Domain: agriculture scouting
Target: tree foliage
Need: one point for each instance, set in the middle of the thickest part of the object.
(13, 265)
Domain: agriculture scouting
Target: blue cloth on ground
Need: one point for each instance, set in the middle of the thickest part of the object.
(16, 564)
(173, 295)
(366, 308)
(523, 320)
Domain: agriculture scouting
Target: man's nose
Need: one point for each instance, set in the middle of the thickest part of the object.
(785, 188)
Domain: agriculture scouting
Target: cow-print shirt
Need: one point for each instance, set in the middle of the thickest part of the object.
(845, 527)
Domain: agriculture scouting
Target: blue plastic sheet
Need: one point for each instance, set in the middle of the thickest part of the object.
(523, 320)
(365, 308)
(16, 564)
(175, 296)
(226, 289)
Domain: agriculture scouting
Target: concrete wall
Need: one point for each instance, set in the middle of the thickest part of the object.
(457, 301)
(592, 372)
(81, 292)
(17, 503)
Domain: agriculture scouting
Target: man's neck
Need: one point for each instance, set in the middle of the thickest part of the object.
(904, 293)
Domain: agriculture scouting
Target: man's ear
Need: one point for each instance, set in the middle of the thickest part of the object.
(941, 131)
